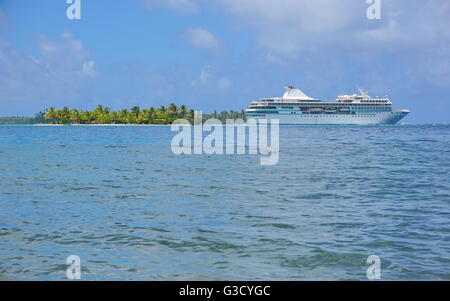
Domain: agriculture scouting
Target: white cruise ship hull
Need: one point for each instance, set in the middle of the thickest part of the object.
(296, 108)
(324, 119)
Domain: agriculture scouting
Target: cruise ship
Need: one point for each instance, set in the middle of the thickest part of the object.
(296, 108)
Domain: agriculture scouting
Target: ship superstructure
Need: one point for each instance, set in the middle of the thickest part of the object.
(295, 107)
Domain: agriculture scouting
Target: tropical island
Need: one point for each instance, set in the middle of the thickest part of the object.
(104, 115)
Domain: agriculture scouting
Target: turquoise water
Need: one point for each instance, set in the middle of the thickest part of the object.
(118, 198)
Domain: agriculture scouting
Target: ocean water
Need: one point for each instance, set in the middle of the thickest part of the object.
(131, 210)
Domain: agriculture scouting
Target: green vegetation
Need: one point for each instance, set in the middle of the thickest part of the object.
(136, 115)
(38, 118)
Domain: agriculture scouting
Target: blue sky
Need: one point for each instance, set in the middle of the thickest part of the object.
(221, 54)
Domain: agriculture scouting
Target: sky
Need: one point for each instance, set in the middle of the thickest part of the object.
(222, 54)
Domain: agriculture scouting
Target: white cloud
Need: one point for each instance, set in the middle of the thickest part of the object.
(88, 68)
(61, 68)
(275, 59)
(318, 15)
(211, 81)
(67, 51)
(202, 39)
(289, 26)
(204, 77)
(291, 31)
(388, 33)
(179, 6)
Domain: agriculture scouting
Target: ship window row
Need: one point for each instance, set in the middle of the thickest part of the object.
(375, 101)
(331, 110)
(315, 113)
(317, 107)
(315, 116)
(332, 104)
(263, 108)
(265, 112)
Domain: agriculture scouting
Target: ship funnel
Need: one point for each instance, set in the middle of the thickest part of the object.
(295, 93)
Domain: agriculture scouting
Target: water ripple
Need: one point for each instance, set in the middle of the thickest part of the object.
(119, 199)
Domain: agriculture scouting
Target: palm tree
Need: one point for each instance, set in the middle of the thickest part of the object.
(86, 117)
(123, 116)
(75, 116)
(151, 115)
(183, 111)
(114, 117)
(105, 115)
(172, 112)
(63, 115)
(39, 117)
(50, 114)
(99, 109)
(190, 116)
(136, 110)
(142, 117)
